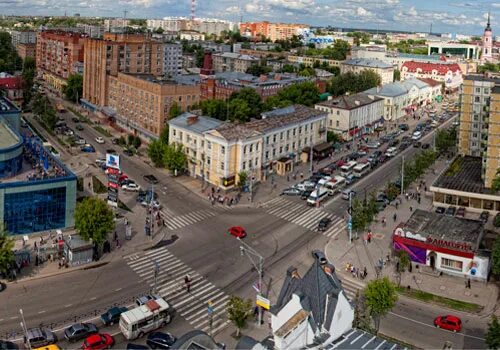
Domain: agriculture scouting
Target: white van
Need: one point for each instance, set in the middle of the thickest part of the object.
(391, 152)
(335, 185)
(416, 135)
(324, 180)
(317, 196)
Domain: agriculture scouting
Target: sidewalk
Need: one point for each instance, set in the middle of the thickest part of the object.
(361, 255)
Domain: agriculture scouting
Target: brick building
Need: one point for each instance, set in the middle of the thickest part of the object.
(13, 87)
(26, 50)
(273, 31)
(233, 62)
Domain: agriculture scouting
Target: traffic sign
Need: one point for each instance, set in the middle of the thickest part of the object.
(256, 286)
(263, 302)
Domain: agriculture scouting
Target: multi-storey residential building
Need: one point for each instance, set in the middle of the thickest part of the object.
(385, 70)
(273, 31)
(114, 53)
(23, 37)
(93, 31)
(191, 35)
(58, 54)
(110, 24)
(218, 152)
(173, 24)
(353, 115)
(309, 61)
(172, 62)
(233, 62)
(26, 50)
(448, 73)
(140, 103)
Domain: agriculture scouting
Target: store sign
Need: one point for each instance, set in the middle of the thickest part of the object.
(407, 234)
(229, 181)
(113, 161)
(442, 243)
(263, 302)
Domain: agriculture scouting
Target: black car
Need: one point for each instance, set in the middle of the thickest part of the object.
(320, 256)
(417, 144)
(305, 194)
(79, 331)
(484, 216)
(114, 141)
(425, 146)
(7, 345)
(75, 120)
(132, 346)
(151, 179)
(323, 224)
(160, 340)
(111, 151)
(394, 143)
(440, 210)
(128, 152)
(404, 127)
(112, 316)
(3, 287)
(450, 211)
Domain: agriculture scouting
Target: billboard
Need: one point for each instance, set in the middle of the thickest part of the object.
(113, 161)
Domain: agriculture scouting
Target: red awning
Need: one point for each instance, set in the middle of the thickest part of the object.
(353, 131)
(424, 245)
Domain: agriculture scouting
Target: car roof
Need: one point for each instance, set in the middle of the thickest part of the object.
(78, 326)
(452, 318)
(94, 338)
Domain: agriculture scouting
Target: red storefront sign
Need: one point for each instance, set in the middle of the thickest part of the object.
(435, 245)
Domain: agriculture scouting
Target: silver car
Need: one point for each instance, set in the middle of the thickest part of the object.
(38, 337)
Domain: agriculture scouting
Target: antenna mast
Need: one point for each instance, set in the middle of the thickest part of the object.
(193, 9)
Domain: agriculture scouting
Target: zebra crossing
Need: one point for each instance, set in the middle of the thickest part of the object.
(302, 215)
(193, 305)
(174, 221)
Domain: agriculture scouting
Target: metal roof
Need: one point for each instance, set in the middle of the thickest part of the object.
(358, 339)
(366, 62)
(142, 311)
(195, 123)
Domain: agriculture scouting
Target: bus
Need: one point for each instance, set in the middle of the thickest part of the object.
(361, 169)
(346, 169)
(317, 196)
(154, 314)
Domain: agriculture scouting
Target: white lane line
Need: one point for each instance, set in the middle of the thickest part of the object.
(41, 312)
(118, 289)
(13, 317)
(68, 305)
(93, 298)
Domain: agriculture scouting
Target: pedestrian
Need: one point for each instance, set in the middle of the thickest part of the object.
(35, 245)
(397, 266)
(187, 281)
(117, 243)
(397, 204)
(394, 217)
(365, 272)
(365, 239)
(418, 199)
(115, 237)
(468, 283)
(369, 237)
(411, 208)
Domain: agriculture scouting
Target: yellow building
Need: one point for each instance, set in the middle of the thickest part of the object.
(308, 61)
(219, 151)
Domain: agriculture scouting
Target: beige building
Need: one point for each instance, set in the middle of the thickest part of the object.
(140, 103)
(273, 31)
(308, 61)
(232, 62)
(385, 70)
(219, 151)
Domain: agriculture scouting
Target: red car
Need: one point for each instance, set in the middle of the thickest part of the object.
(238, 231)
(448, 322)
(98, 341)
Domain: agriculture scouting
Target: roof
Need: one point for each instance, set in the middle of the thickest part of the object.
(365, 62)
(195, 123)
(430, 82)
(478, 77)
(234, 55)
(409, 83)
(8, 137)
(437, 226)
(388, 90)
(6, 106)
(428, 67)
(358, 339)
(139, 312)
(466, 177)
(195, 340)
(350, 102)
(421, 57)
(295, 320)
(10, 82)
(318, 291)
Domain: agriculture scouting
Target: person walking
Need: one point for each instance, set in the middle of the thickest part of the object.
(394, 217)
(187, 281)
(468, 283)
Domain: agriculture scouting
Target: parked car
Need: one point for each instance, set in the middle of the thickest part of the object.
(450, 211)
(154, 204)
(305, 194)
(425, 146)
(460, 212)
(38, 337)
(160, 340)
(131, 186)
(128, 152)
(320, 256)
(78, 331)
(373, 145)
(80, 141)
(114, 141)
(112, 316)
(440, 210)
(484, 216)
(99, 139)
(448, 322)
(237, 231)
(98, 342)
(383, 158)
(417, 144)
(323, 224)
(7, 345)
(404, 127)
(68, 132)
(292, 191)
(132, 346)
(88, 148)
(79, 127)
(151, 179)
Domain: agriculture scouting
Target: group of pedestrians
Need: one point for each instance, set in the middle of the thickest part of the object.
(356, 272)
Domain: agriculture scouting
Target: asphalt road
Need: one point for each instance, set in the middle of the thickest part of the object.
(216, 257)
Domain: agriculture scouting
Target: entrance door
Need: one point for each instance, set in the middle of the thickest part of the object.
(432, 260)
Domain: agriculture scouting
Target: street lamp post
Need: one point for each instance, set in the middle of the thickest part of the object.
(156, 272)
(257, 261)
(349, 224)
(25, 329)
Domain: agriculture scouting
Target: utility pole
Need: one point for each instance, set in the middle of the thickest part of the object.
(402, 173)
(252, 254)
(25, 328)
(151, 223)
(349, 211)
(311, 158)
(156, 270)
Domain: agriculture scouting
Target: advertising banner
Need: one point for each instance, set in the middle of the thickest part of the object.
(113, 161)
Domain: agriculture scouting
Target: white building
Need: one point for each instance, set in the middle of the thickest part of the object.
(115, 23)
(386, 71)
(354, 114)
(172, 64)
(466, 51)
(22, 37)
(449, 73)
(191, 35)
(396, 100)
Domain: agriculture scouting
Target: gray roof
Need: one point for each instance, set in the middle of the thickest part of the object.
(201, 124)
(350, 102)
(366, 62)
(312, 289)
(358, 339)
(408, 83)
(187, 79)
(235, 55)
(195, 340)
(388, 90)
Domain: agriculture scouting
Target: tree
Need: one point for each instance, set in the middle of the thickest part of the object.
(174, 157)
(492, 337)
(174, 111)
(359, 218)
(380, 298)
(74, 87)
(288, 68)
(333, 137)
(159, 30)
(49, 118)
(252, 98)
(397, 75)
(445, 139)
(9, 59)
(238, 312)
(353, 83)
(156, 151)
(495, 257)
(305, 93)
(404, 264)
(257, 70)
(239, 110)
(214, 108)
(495, 184)
(134, 141)
(243, 177)
(6, 249)
(361, 313)
(94, 219)
(164, 134)
(307, 72)
(367, 79)
(28, 75)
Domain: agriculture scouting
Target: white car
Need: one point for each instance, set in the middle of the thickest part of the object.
(155, 204)
(131, 186)
(80, 142)
(99, 139)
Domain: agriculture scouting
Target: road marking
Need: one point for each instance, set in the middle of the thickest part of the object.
(13, 317)
(118, 289)
(41, 312)
(68, 305)
(93, 298)
(431, 326)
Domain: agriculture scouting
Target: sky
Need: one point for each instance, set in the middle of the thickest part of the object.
(446, 16)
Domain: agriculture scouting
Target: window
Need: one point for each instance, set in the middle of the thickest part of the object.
(244, 149)
(221, 165)
(222, 149)
(338, 112)
(174, 132)
(251, 148)
(281, 150)
(287, 134)
(305, 128)
(451, 264)
(180, 135)
(267, 155)
(244, 165)
(274, 138)
(294, 130)
(209, 145)
(208, 160)
(338, 123)
(281, 135)
(267, 140)
(476, 99)
(478, 90)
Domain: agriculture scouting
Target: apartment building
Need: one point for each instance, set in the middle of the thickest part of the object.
(140, 103)
(309, 61)
(26, 50)
(58, 55)
(114, 53)
(112, 23)
(219, 151)
(93, 31)
(273, 31)
(23, 37)
(172, 62)
(385, 70)
(353, 115)
(233, 62)
(170, 24)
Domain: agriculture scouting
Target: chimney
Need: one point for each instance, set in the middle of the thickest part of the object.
(192, 119)
(329, 269)
(292, 271)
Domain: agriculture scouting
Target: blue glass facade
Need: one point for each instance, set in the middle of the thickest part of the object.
(11, 167)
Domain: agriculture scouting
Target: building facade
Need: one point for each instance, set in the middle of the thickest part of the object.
(22, 37)
(172, 64)
(112, 23)
(384, 70)
(191, 35)
(114, 53)
(273, 31)
(466, 51)
(140, 103)
(93, 31)
(58, 55)
(448, 73)
(353, 115)
(233, 62)
(309, 61)
(26, 50)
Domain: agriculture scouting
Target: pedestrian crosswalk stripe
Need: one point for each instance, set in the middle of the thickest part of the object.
(170, 284)
(174, 222)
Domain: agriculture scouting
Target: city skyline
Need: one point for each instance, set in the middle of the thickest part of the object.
(405, 15)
